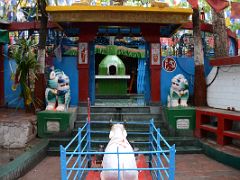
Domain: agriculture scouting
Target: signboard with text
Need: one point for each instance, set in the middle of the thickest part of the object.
(183, 124)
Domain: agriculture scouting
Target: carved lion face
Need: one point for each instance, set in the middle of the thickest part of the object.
(58, 80)
(179, 83)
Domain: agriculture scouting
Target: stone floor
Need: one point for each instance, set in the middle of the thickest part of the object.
(188, 167)
(7, 155)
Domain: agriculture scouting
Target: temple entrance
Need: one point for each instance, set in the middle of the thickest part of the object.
(119, 77)
(127, 88)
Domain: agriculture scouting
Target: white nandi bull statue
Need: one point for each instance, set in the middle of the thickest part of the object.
(118, 140)
(179, 93)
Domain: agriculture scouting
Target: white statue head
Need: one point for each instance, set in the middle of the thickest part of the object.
(118, 131)
(179, 93)
(179, 83)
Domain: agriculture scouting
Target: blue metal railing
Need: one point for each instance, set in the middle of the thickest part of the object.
(76, 158)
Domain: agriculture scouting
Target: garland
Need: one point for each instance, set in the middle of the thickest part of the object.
(120, 50)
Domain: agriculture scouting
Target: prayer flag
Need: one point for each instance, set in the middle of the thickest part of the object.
(218, 5)
(235, 10)
(193, 3)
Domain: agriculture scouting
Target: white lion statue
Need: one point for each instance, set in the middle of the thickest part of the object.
(118, 140)
(57, 93)
(179, 93)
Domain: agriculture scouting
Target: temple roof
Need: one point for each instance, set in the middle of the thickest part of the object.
(168, 18)
(119, 14)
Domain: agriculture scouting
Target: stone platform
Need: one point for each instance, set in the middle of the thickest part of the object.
(16, 128)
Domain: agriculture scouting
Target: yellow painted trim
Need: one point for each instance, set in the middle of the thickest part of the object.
(75, 8)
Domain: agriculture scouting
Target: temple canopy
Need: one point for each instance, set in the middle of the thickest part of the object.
(168, 19)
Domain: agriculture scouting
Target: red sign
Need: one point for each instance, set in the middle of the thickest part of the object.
(83, 53)
(169, 64)
(155, 53)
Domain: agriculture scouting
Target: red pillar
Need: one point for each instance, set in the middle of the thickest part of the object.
(88, 32)
(152, 35)
(220, 129)
(83, 82)
(155, 83)
(1, 76)
(198, 124)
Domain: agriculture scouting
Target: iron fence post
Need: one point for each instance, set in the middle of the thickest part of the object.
(151, 141)
(158, 153)
(172, 163)
(79, 150)
(118, 164)
(63, 163)
(89, 143)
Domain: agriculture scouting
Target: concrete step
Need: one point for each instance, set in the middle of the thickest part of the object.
(120, 117)
(182, 141)
(123, 100)
(120, 109)
(55, 151)
(189, 150)
(141, 141)
(127, 124)
(34, 153)
(135, 119)
(103, 130)
(110, 108)
(82, 109)
(56, 142)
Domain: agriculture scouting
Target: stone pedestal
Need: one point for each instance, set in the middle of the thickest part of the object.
(181, 120)
(54, 123)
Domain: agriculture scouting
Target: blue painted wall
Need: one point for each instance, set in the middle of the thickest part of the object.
(11, 98)
(185, 66)
(69, 66)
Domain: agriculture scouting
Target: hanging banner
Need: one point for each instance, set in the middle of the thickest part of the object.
(169, 64)
(82, 53)
(218, 5)
(235, 10)
(155, 54)
(193, 3)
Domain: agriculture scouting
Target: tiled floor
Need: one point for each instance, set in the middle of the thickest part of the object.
(188, 167)
(199, 166)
